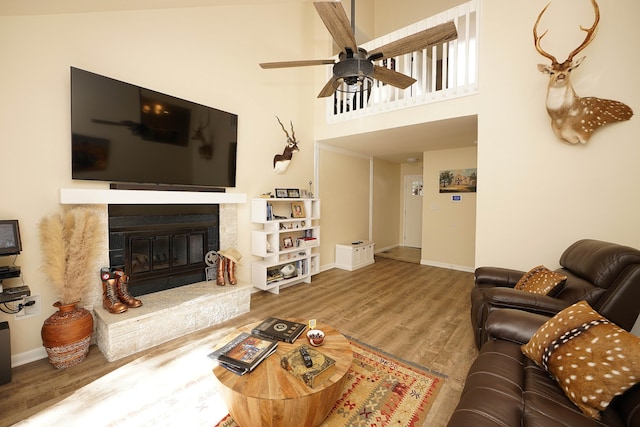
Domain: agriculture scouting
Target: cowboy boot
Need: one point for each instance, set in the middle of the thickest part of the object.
(109, 299)
(231, 271)
(220, 275)
(122, 291)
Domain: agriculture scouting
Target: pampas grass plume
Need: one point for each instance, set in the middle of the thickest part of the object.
(71, 242)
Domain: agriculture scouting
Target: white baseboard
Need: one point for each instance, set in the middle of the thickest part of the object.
(28, 357)
(446, 265)
(327, 267)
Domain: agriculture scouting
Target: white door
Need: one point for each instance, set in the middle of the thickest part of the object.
(413, 211)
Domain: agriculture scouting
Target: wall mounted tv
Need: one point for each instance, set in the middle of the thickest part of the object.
(125, 133)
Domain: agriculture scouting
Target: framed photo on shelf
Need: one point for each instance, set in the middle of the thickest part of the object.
(282, 193)
(287, 242)
(304, 194)
(293, 193)
(297, 210)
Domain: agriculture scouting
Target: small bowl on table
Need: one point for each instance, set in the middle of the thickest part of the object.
(315, 337)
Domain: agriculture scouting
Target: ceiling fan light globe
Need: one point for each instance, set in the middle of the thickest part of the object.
(353, 84)
(353, 67)
(352, 80)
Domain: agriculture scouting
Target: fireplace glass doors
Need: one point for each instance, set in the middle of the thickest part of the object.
(162, 247)
(150, 253)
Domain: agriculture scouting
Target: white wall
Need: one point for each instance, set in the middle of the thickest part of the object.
(345, 193)
(537, 195)
(391, 15)
(448, 228)
(386, 217)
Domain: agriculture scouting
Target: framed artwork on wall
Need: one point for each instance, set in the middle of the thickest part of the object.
(458, 181)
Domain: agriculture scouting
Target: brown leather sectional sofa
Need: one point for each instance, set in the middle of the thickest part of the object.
(606, 275)
(504, 388)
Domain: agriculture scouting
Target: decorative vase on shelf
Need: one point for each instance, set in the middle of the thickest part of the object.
(66, 335)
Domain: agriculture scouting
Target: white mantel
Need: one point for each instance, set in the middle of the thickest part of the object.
(83, 196)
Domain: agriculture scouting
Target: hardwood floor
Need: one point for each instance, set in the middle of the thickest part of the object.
(402, 253)
(415, 312)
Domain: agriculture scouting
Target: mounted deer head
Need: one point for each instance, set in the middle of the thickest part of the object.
(206, 148)
(574, 119)
(281, 161)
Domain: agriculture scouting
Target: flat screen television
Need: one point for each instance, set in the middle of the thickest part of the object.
(10, 243)
(121, 132)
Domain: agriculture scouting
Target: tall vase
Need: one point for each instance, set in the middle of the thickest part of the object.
(66, 335)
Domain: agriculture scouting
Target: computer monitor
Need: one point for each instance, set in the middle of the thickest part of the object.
(10, 243)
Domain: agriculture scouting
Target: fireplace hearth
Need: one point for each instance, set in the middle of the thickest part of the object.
(162, 247)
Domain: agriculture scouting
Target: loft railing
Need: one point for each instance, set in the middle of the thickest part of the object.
(445, 71)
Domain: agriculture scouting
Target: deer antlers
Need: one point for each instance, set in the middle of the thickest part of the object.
(281, 161)
(206, 147)
(591, 34)
(291, 138)
(574, 119)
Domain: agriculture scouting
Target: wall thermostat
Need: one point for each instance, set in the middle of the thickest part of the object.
(456, 198)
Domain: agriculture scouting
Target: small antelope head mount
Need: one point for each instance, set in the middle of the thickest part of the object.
(206, 148)
(281, 161)
(574, 119)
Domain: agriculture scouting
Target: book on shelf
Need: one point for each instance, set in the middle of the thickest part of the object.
(274, 277)
(279, 329)
(323, 366)
(304, 242)
(269, 212)
(243, 353)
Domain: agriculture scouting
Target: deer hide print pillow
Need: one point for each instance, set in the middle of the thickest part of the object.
(592, 359)
(541, 280)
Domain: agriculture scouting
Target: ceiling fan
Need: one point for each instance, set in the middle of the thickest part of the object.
(355, 64)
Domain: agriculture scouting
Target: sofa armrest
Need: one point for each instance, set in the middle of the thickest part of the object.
(497, 276)
(513, 325)
(521, 300)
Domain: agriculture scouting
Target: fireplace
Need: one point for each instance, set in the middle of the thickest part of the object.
(175, 312)
(162, 246)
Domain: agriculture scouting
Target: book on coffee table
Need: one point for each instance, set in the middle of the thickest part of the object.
(279, 329)
(243, 353)
(323, 366)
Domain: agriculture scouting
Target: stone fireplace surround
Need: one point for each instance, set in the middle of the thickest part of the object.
(172, 313)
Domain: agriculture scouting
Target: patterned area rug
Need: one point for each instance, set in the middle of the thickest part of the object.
(380, 391)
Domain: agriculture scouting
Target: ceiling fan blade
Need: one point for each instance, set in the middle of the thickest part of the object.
(287, 64)
(392, 77)
(328, 89)
(415, 42)
(335, 19)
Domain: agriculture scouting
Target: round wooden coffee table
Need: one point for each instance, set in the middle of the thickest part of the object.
(271, 396)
